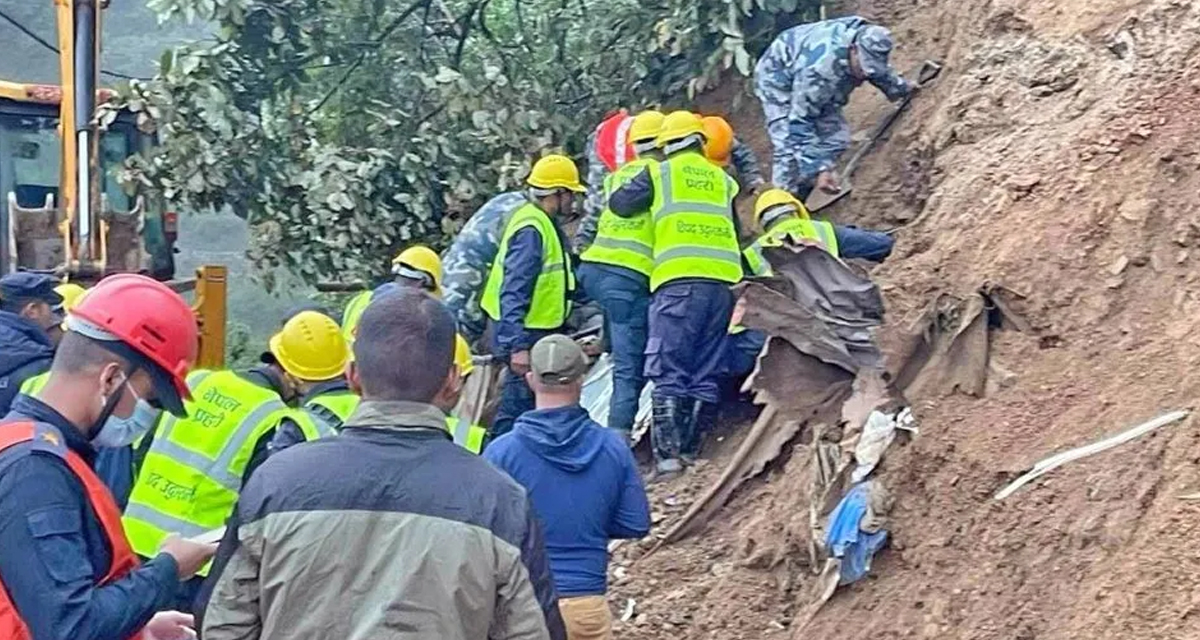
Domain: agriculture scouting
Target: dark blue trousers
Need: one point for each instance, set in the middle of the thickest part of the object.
(689, 320)
(624, 296)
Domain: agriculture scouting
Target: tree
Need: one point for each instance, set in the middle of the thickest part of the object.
(344, 129)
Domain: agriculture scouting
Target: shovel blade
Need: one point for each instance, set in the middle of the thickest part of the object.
(818, 200)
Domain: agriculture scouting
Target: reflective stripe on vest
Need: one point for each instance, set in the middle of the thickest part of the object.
(33, 386)
(694, 234)
(12, 626)
(624, 242)
(550, 304)
(465, 434)
(193, 470)
(816, 230)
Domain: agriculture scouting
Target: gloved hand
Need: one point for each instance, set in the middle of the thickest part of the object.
(170, 625)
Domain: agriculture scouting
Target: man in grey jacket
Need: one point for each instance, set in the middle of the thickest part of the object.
(387, 530)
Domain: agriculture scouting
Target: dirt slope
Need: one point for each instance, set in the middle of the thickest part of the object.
(1058, 157)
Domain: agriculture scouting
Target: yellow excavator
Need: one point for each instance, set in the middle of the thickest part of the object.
(62, 211)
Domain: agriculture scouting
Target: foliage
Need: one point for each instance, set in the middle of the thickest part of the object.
(345, 129)
(240, 352)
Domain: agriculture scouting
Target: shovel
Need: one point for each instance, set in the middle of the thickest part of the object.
(818, 199)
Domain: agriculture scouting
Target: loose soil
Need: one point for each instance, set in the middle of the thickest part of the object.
(1056, 156)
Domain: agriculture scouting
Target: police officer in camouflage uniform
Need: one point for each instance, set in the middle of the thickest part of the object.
(467, 262)
(804, 79)
(742, 160)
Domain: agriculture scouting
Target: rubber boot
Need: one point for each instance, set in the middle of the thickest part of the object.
(702, 419)
(665, 435)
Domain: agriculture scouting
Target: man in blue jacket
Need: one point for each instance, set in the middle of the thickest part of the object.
(582, 480)
(29, 310)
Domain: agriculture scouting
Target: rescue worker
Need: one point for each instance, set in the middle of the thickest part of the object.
(70, 293)
(615, 272)
(582, 480)
(66, 568)
(30, 311)
(781, 215)
(417, 264)
(696, 259)
(804, 79)
(608, 149)
(469, 259)
(195, 466)
(466, 435)
(388, 530)
(723, 148)
(530, 285)
(313, 353)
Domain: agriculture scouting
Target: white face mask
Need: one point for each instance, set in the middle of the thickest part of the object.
(120, 432)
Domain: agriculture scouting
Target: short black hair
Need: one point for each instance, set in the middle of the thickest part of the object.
(16, 305)
(78, 353)
(404, 347)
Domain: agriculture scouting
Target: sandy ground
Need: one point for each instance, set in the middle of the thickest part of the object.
(1056, 156)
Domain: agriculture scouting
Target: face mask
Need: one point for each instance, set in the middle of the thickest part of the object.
(120, 432)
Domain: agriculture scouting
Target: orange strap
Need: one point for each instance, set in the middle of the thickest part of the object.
(123, 558)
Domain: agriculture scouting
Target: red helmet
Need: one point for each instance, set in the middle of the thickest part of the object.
(147, 317)
(612, 140)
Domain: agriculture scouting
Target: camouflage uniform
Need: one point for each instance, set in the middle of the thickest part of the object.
(803, 80)
(745, 166)
(466, 264)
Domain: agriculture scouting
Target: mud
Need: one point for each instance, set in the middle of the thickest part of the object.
(1056, 156)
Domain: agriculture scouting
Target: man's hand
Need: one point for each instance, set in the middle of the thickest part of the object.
(170, 625)
(190, 556)
(828, 182)
(519, 362)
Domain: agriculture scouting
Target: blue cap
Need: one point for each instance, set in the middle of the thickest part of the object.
(25, 285)
(874, 47)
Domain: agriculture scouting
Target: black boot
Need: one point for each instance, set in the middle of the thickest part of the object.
(702, 418)
(665, 434)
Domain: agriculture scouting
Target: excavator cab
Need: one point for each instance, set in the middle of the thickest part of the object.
(137, 234)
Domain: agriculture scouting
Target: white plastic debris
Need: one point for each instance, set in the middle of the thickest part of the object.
(597, 393)
(878, 434)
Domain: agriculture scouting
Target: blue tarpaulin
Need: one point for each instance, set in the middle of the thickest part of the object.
(845, 538)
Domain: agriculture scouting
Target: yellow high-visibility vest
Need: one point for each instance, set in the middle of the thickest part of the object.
(551, 295)
(694, 234)
(816, 230)
(466, 435)
(33, 386)
(353, 313)
(193, 470)
(324, 415)
(624, 242)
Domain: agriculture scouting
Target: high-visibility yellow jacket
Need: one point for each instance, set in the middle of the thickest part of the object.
(816, 230)
(694, 232)
(624, 242)
(551, 294)
(192, 473)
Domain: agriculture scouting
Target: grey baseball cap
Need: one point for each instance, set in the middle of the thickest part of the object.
(874, 46)
(557, 360)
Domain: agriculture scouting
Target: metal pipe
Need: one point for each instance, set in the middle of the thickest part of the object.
(86, 22)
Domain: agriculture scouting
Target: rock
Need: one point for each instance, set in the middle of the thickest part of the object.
(1023, 183)
(1115, 283)
(1118, 266)
(1181, 257)
(1140, 260)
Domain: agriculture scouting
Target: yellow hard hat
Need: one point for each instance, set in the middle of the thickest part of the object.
(555, 172)
(645, 126)
(462, 356)
(718, 139)
(679, 125)
(71, 293)
(772, 198)
(422, 259)
(311, 347)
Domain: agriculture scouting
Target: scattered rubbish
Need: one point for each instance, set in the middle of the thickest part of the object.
(877, 436)
(856, 530)
(1058, 460)
(627, 614)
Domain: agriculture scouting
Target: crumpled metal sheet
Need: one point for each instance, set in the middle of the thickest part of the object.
(597, 396)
